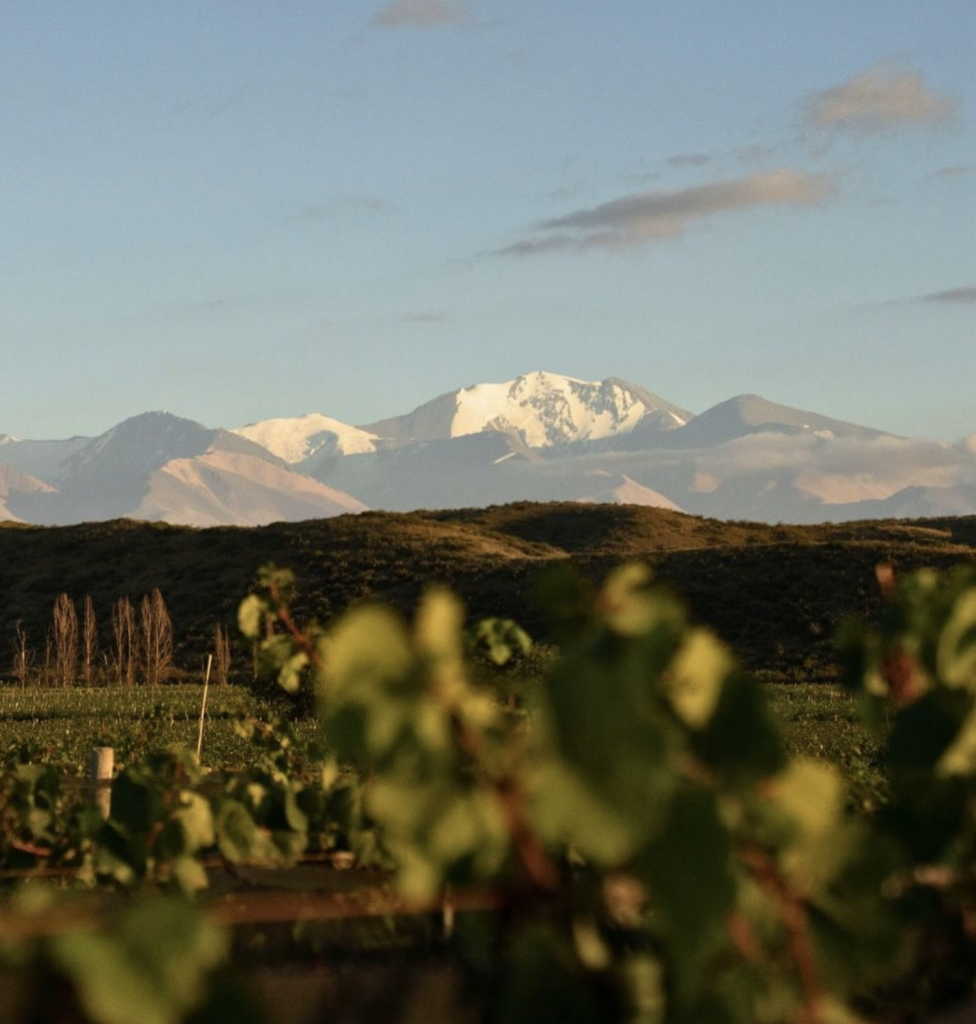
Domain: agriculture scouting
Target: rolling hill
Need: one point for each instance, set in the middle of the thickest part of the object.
(775, 593)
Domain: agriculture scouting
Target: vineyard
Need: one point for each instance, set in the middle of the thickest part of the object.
(63, 725)
(638, 836)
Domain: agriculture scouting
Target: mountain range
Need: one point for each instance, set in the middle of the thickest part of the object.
(542, 436)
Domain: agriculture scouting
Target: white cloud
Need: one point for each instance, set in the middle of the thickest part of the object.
(646, 217)
(421, 14)
(876, 100)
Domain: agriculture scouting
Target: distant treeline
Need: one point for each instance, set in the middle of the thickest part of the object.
(136, 647)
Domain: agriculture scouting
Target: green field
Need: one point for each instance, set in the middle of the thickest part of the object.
(67, 723)
(819, 720)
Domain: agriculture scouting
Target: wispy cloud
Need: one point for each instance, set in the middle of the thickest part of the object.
(689, 160)
(317, 213)
(213, 105)
(877, 100)
(421, 14)
(646, 217)
(956, 171)
(965, 295)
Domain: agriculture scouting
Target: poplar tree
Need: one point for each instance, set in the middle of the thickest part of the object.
(126, 641)
(64, 636)
(89, 641)
(156, 630)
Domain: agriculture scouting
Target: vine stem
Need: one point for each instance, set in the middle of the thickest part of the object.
(535, 859)
(31, 848)
(793, 914)
(298, 635)
(744, 937)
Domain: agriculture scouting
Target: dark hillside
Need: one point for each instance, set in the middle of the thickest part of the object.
(617, 530)
(776, 593)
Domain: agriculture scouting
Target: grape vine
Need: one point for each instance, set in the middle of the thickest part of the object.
(646, 848)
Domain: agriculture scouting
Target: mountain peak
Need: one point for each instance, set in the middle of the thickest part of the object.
(539, 436)
(542, 409)
(296, 438)
(752, 414)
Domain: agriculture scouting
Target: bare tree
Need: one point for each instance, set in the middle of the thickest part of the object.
(23, 655)
(221, 665)
(89, 641)
(156, 629)
(126, 641)
(64, 636)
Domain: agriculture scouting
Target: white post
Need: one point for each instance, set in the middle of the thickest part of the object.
(203, 706)
(102, 764)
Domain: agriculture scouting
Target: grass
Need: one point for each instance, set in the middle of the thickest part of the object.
(68, 723)
(820, 720)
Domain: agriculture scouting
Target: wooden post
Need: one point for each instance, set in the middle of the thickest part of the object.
(102, 764)
(203, 706)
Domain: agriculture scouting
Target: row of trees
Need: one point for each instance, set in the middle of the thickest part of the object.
(139, 648)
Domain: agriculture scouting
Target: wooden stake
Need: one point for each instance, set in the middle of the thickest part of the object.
(203, 706)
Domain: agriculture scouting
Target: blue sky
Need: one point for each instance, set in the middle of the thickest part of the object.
(233, 210)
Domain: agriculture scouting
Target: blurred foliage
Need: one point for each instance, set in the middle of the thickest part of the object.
(656, 848)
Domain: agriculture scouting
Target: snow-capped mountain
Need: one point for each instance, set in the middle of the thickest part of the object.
(541, 437)
(162, 467)
(299, 437)
(542, 410)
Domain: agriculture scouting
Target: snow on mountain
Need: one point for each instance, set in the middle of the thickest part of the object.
(296, 438)
(543, 410)
(160, 466)
(540, 437)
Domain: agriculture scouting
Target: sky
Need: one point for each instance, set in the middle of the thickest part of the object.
(241, 209)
